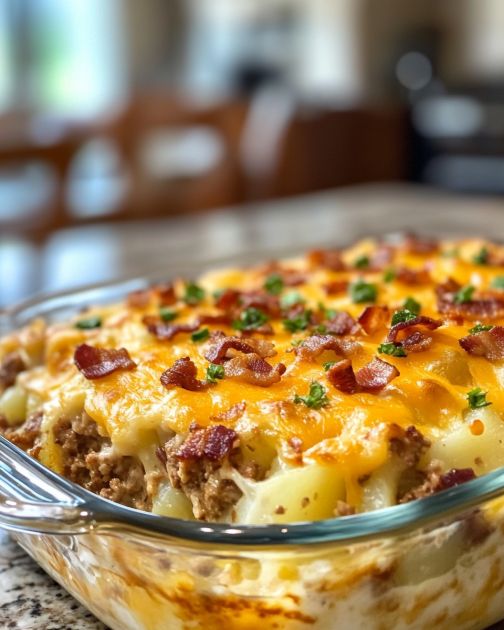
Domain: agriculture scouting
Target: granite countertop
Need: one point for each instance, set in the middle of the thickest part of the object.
(31, 600)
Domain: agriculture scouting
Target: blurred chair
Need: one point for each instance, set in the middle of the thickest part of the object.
(182, 156)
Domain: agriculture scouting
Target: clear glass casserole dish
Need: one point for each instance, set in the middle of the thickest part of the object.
(437, 562)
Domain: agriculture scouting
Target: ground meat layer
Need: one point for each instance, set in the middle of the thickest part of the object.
(201, 481)
(90, 461)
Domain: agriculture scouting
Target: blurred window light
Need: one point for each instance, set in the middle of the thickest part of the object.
(18, 270)
(97, 182)
(6, 72)
(414, 70)
(448, 117)
(73, 61)
(25, 191)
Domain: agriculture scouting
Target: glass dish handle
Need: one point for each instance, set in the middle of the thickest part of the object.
(34, 499)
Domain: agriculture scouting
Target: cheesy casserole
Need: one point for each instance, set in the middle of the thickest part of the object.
(297, 390)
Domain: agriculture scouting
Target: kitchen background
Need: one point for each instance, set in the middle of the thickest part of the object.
(117, 115)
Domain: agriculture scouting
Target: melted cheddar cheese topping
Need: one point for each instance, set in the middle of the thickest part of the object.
(332, 453)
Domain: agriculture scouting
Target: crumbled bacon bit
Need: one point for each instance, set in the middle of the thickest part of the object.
(165, 331)
(419, 320)
(490, 306)
(417, 341)
(228, 299)
(219, 319)
(376, 375)
(455, 477)
(182, 374)
(212, 443)
(488, 344)
(139, 299)
(336, 287)
(326, 258)
(420, 245)
(413, 277)
(98, 362)
(234, 413)
(253, 369)
(373, 318)
(165, 294)
(342, 376)
(315, 345)
(342, 324)
(265, 302)
(371, 378)
(219, 347)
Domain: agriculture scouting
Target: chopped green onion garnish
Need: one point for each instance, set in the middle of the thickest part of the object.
(412, 305)
(299, 322)
(316, 398)
(362, 262)
(200, 335)
(362, 291)
(389, 275)
(481, 258)
(193, 294)
(464, 295)
(480, 328)
(477, 398)
(167, 314)
(392, 349)
(214, 372)
(89, 323)
(403, 315)
(250, 319)
(274, 284)
(328, 365)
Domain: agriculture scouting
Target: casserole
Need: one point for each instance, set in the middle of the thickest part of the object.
(430, 561)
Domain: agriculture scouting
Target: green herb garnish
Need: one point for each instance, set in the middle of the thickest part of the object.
(167, 314)
(464, 295)
(291, 299)
(362, 262)
(200, 335)
(250, 319)
(480, 328)
(498, 282)
(392, 349)
(328, 365)
(403, 315)
(389, 275)
(274, 284)
(214, 372)
(89, 323)
(328, 313)
(412, 305)
(316, 398)
(299, 322)
(477, 398)
(362, 291)
(481, 258)
(193, 294)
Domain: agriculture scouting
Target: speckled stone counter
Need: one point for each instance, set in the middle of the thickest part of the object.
(31, 600)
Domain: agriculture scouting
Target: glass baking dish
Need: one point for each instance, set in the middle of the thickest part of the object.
(432, 563)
